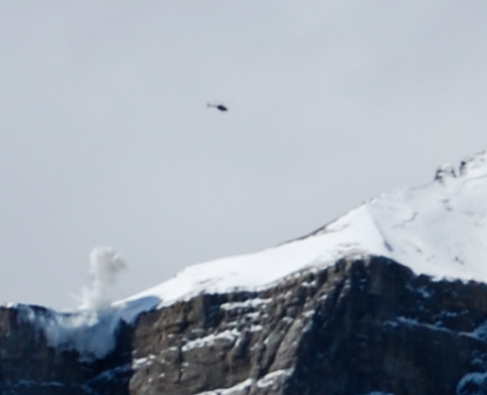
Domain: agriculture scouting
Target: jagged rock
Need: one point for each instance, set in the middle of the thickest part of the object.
(365, 325)
(445, 172)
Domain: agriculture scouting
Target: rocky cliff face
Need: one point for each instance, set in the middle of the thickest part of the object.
(365, 325)
(30, 365)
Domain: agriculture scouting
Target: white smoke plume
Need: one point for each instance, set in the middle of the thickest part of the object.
(105, 266)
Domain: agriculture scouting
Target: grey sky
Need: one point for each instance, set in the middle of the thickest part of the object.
(105, 137)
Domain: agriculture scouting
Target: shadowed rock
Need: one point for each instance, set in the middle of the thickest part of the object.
(360, 326)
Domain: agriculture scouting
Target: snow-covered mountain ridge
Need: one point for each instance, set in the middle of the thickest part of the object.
(331, 312)
(437, 229)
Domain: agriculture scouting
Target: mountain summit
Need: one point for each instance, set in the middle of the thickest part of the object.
(389, 299)
(437, 229)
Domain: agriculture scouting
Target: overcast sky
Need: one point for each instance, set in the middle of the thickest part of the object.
(105, 137)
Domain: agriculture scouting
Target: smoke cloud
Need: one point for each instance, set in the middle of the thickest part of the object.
(105, 267)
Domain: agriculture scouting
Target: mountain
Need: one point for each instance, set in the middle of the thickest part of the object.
(390, 298)
(437, 229)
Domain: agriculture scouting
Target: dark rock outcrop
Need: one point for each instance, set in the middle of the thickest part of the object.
(361, 326)
(30, 365)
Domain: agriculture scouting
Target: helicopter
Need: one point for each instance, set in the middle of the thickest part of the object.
(220, 107)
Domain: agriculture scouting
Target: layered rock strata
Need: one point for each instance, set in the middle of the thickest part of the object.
(365, 325)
